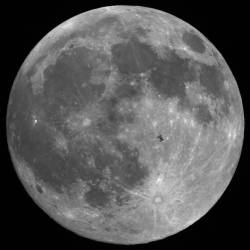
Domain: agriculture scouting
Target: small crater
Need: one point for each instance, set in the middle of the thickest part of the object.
(158, 199)
(39, 188)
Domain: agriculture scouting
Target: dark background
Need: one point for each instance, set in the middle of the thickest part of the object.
(24, 223)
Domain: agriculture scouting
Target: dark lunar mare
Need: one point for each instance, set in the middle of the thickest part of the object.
(168, 74)
(109, 123)
(62, 93)
(203, 115)
(194, 41)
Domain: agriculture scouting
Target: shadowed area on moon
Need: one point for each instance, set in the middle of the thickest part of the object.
(57, 146)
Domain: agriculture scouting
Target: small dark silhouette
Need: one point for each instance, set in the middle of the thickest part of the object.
(160, 138)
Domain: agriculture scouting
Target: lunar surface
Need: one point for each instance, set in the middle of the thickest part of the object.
(125, 124)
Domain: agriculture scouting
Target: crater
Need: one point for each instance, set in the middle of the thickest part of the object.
(194, 41)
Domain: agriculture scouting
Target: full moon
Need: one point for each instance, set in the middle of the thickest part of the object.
(125, 124)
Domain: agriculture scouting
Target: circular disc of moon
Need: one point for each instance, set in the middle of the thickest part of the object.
(125, 124)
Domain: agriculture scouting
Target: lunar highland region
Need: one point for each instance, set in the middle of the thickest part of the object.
(125, 124)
